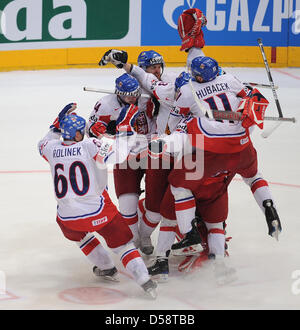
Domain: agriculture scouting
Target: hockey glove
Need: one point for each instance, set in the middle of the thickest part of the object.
(69, 108)
(97, 130)
(272, 218)
(152, 107)
(253, 109)
(117, 57)
(126, 120)
(190, 25)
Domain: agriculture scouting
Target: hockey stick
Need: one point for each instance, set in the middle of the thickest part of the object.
(230, 115)
(106, 91)
(216, 114)
(268, 132)
(259, 85)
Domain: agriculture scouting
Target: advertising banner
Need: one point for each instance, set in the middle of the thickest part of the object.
(56, 33)
(229, 22)
(40, 24)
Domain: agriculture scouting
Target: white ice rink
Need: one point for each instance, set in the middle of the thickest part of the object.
(43, 270)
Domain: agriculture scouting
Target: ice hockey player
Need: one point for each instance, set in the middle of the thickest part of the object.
(225, 148)
(128, 175)
(83, 202)
(149, 74)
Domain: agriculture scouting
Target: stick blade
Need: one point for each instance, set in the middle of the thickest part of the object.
(267, 132)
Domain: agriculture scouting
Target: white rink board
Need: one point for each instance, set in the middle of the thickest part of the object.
(40, 264)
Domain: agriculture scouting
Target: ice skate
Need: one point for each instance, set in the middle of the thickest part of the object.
(272, 218)
(160, 269)
(146, 246)
(191, 239)
(107, 274)
(150, 289)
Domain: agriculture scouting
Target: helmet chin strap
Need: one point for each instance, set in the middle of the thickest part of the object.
(122, 101)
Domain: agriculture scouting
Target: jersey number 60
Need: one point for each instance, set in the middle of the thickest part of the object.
(61, 181)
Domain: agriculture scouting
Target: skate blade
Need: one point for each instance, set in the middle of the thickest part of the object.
(276, 231)
(151, 293)
(193, 249)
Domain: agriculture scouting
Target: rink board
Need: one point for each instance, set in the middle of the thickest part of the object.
(245, 56)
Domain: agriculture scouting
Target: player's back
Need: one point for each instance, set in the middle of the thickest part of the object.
(78, 183)
(222, 93)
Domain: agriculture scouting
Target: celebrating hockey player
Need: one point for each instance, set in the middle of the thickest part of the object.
(226, 149)
(129, 174)
(83, 202)
(151, 76)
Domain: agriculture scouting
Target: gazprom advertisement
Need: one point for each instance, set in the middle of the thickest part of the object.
(37, 24)
(229, 22)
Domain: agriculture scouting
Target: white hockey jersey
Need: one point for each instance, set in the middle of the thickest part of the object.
(163, 90)
(80, 174)
(222, 93)
(109, 107)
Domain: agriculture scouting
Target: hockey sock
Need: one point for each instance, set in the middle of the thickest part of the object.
(260, 189)
(95, 252)
(148, 220)
(178, 234)
(128, 204)
(134, 264)
(166, 236)
(185, 208)
(216, 238)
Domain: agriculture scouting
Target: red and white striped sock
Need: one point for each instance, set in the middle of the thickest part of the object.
(185, 208)
(260, 189)
(95, 252)
(216, 238)
(166, 236)
(148, 220)
(134, 264)
(128, 208)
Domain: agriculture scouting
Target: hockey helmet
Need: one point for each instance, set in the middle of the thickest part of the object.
(150, 57)
(127, 85)
(70, 125)
(205, 67)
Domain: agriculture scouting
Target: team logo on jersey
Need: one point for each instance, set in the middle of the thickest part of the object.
(99, 221)
(244, 141)
(42, 148)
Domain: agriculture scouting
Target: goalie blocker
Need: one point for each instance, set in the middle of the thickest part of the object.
(253, 108)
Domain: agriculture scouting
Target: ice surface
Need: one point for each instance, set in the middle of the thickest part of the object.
(43, 270)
